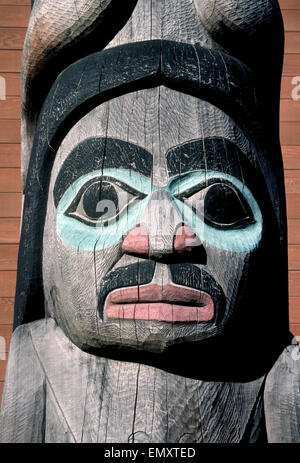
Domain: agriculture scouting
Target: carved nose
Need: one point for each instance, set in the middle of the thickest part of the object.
(137, 241)
(185, 240)
(162, 236)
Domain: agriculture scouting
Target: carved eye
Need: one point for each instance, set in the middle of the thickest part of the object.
(221, 205)
(102, 201)
(225, 208)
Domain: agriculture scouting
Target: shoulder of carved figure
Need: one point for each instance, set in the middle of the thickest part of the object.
(21, 415)
(48, 339)
(282, 397)
(23, 336)
(21, 340)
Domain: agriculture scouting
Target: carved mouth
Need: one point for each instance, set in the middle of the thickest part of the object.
(169, 303)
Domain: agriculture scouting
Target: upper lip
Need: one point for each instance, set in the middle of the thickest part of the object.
(169, 293)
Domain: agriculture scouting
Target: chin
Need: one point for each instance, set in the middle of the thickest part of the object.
(124, 337)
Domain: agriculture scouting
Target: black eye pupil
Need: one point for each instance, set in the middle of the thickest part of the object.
(223, 207)
(100, 198)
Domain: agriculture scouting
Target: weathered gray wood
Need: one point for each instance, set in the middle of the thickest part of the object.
(92, 399)
(282, 397)
(59, 33)
(23, 423)
(145, 115)
(164, 327)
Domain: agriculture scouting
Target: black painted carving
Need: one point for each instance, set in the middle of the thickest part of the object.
(161, 330)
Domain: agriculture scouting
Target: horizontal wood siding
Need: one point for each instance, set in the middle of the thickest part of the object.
(290, 141)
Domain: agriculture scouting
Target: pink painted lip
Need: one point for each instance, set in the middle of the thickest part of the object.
(169, 303)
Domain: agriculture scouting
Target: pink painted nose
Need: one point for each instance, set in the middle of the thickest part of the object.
(137, 241)
(185, 240)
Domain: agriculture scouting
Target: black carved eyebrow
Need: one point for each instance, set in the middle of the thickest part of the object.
(98, 154)
(216, 154)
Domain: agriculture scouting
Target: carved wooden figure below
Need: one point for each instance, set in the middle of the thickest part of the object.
(151, 301)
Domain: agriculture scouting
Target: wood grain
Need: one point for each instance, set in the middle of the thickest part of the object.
(10, 131)
(287, 4)
(12, 38)
(291, 157)
(15, 2)
(6, 332)
(289, 111)
(10, 180)
(290, 133)
(10, 60)
(7, 283)
(10, 204)
(13, 84)
(10, 108)
(138, 403)
(2, 370)
(8, 256)
(291, 66)
(292, 181)
(281, 398)
(294, 283)
(293, 206)
(291, 19)
(294, 310)
(287, 88)
(294, 256)
(9, 231)
(14, 15)
(6, 310)
(9, 155)
(295, 330)
(292, 42)
(293, 231)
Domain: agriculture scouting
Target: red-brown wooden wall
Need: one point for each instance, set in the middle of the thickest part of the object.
(14, 15)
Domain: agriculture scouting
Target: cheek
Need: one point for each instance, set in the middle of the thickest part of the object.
(71, 281)
(71, 275)
(228, 269)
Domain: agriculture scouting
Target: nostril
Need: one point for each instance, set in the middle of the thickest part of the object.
(185, 240)
(137, 241)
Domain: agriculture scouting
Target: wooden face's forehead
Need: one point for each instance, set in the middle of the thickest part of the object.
(156, 120)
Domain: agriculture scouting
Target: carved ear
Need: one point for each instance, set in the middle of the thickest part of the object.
(238, 25)
(59, 33)
(253, 32)
(236, 14)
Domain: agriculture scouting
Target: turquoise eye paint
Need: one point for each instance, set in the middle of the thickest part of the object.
(241, 239)
(77, 234)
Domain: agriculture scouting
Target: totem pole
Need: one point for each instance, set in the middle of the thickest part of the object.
(151, 301)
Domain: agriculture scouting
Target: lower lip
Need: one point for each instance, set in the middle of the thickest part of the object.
(174, 304)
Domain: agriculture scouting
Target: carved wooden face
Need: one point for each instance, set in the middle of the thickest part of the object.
(152, 223)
